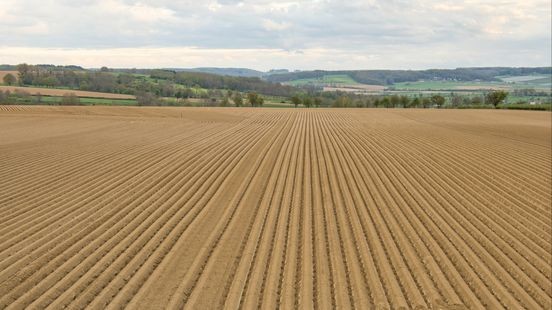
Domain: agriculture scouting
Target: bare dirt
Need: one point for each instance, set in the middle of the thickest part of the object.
(61, 92)
(206, 208)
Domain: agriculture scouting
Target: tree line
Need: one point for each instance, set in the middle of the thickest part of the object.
(213, 81)
(169, 87)
(494, 99)
(229, 98)
(162, 83)
(51, 76)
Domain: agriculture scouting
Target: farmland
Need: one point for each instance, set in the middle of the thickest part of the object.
(331, 79)
(523, 88)
(461, 88)
(61, 92)
(539, 82)
(110, 207)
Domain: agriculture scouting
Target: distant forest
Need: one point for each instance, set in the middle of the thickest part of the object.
(389, 77)
(243, 79)
(165, 83)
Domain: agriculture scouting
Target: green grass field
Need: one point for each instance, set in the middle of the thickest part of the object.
(535, 78)
(325, 80)
(535, 107)
(445, 85)
(539, 82)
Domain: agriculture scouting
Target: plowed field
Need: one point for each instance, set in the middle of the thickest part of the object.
(62, 92)
(152, 208)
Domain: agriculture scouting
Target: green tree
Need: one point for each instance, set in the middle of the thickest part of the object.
(317, 102)
(476, 100)
(437, 100)
(296, 100)
(253, 99)
(307, 102)
(394, 101)
(369, 103)
(238, 99)
(226, 99)
(9, 79)
(405, 101)
(426, 102)
(84, 85)
(385, 102)
(25, 74)
(415, 103)
(496, 97)
(343, 102)
(224, 102)
(48, 81)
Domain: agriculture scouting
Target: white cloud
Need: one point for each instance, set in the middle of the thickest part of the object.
(409, 33)
(448, 7)
(271, 25)
(139, 11)
(265, 59)
(37, 28)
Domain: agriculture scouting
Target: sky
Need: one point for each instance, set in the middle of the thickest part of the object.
(264, 35)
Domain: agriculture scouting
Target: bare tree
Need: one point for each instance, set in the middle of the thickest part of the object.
(70, 99)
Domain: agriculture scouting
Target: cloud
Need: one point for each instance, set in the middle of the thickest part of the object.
(409, 33)
(140, 12)
(266, 59)
(271, 25)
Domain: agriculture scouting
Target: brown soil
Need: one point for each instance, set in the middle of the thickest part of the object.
(206, 208)
(61, 92)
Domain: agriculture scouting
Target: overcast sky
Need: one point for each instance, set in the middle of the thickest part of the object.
(263, 34)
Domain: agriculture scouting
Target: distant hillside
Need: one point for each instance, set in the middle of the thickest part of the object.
(218, 81)
(159, 82)
(389, 77)
(7, 68)
(60, 68)
(239, 72)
